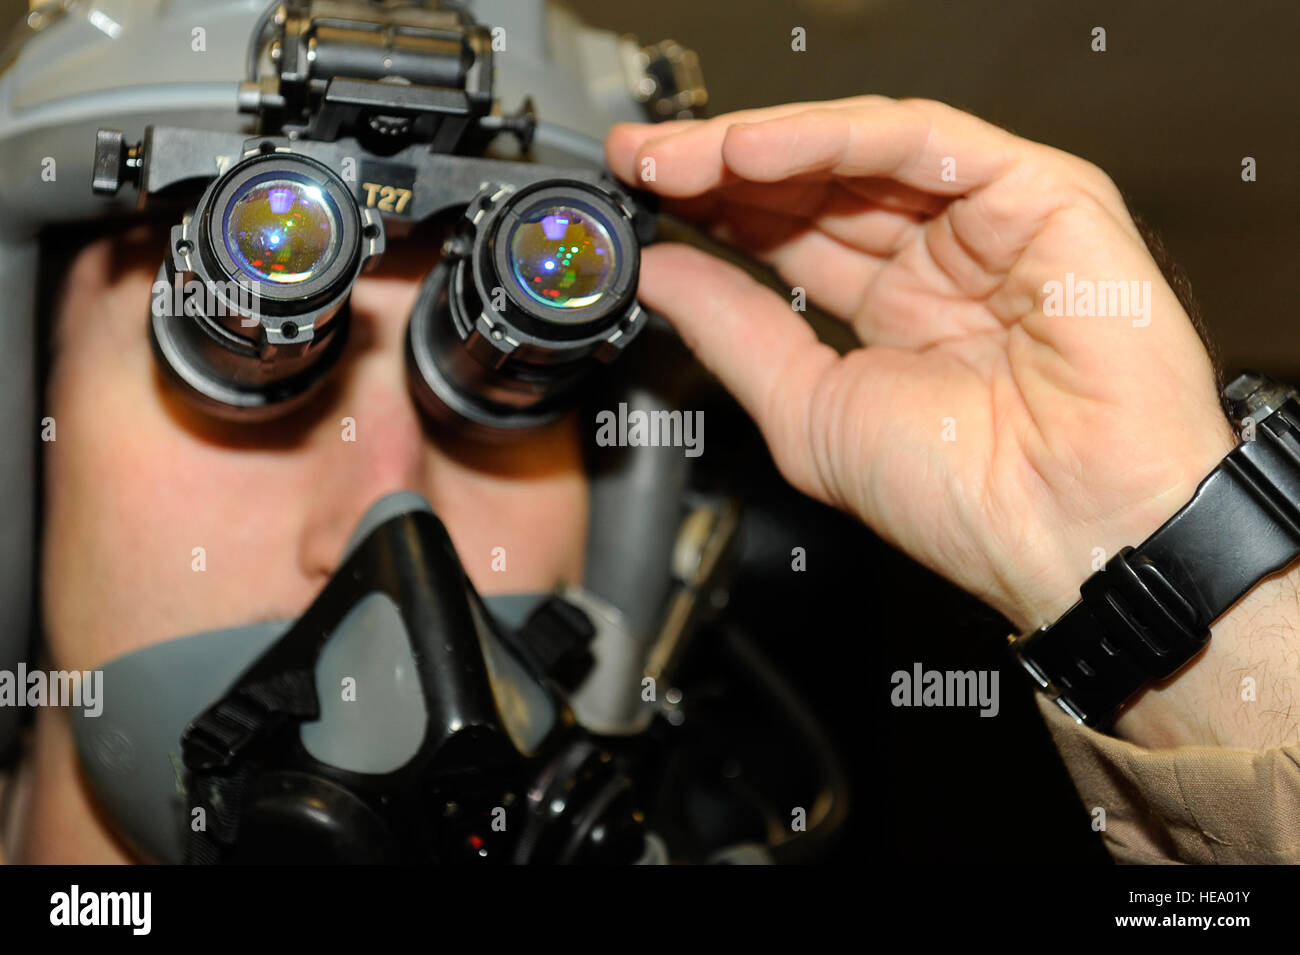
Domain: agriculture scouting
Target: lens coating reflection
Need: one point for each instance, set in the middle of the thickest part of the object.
(281, 230)
(563, 256)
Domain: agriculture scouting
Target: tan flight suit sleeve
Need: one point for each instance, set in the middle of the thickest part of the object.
(1193, 804)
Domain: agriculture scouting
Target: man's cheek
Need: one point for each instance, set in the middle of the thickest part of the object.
(161, 547)
(155, 497)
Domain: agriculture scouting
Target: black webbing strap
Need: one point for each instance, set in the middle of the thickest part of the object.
(555, 641)
(218, 749)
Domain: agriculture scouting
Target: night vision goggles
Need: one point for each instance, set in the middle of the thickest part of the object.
(537, 277)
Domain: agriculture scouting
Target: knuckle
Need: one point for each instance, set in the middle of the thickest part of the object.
(1070, 174)
(871, 99)
(923, 105)
(1095, 179)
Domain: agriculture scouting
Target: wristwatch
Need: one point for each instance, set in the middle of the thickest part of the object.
(1148, 612)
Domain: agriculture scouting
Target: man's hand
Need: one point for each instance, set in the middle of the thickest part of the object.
(989, 430)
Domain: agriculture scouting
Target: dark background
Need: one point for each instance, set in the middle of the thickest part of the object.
(1185, 90)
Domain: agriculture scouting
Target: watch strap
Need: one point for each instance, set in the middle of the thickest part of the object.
(1149, 611)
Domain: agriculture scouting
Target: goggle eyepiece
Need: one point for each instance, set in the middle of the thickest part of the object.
(281, 229)
(537, 285)
(563, 256)
(251, 305)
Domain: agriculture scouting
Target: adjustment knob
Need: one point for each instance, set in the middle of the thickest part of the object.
(115, 162)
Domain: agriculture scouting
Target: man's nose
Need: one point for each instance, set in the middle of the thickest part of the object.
(369, 443)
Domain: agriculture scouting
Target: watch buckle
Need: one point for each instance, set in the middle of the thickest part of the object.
(1049, 689)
